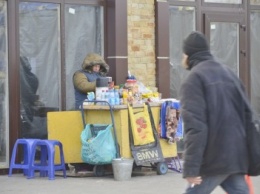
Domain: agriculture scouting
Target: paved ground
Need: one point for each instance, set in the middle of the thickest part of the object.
(140, 183)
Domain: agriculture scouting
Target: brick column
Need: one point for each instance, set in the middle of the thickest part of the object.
(141, 40)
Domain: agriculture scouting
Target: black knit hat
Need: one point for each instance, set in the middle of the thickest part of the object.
(195, 42)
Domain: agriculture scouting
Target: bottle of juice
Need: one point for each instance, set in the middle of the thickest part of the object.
(125, 96)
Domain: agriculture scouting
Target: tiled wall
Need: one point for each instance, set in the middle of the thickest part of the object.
(141, 40)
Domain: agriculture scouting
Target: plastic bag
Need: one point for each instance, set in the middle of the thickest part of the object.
(170, 121)
(141, 126)
(98, 148)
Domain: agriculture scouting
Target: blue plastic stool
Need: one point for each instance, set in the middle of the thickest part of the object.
(27, 145)
(47, 165)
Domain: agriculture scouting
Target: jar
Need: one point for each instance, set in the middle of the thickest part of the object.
(130, 83)
(125, 96)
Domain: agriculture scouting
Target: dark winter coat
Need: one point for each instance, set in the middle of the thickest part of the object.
(214, 119)
(29, 86)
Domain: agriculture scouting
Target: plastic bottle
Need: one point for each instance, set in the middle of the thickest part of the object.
(106, 97)
(112, 97)
(117, 98)
(125, 96)
(103, 97)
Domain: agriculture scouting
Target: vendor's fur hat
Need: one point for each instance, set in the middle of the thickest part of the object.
(94, 59)
(195, 42)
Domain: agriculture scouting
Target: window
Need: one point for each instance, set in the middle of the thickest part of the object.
(255, 60)
(224, 43)
(83, 34)
(40, 61)
(178, 32)
(4, 120)
(224, 1)
(43, 76)
(255, 2)
(185, 0)
(179, 15)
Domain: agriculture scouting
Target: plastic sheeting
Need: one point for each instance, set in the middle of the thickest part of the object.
(178, 32)
(30, 125)
(39, 65)
(224, 1)
(4, 125)
(40, 47)
(224, 45)
(84, 34)
(255, 60)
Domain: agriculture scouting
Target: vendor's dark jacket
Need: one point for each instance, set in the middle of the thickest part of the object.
(215, 119)
(84, 80)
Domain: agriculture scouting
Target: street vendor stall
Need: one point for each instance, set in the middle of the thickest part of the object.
(66, 126)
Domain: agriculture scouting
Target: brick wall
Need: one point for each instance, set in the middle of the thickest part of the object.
(141, 40)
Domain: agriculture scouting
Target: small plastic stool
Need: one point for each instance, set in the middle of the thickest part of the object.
(28, 145)
(47, 165)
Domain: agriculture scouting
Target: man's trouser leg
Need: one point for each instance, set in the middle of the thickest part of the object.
(233, 184)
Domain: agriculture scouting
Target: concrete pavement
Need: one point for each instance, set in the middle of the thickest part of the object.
(140, 183)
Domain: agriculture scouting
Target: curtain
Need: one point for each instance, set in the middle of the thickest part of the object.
(40, 44)
(40, 57)
(224, 38)
(84, 34)
(255, 60)
(4, 137)
(182, 22)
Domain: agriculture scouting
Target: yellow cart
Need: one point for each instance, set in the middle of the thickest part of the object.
(66, 126)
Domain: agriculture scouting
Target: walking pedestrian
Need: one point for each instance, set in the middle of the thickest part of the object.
(215, 118)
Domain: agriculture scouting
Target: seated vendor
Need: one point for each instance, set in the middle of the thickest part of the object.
(84, 80)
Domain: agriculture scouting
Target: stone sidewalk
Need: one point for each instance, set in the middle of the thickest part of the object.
(140, 183)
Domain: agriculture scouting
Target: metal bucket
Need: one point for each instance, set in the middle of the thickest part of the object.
(122, 168)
